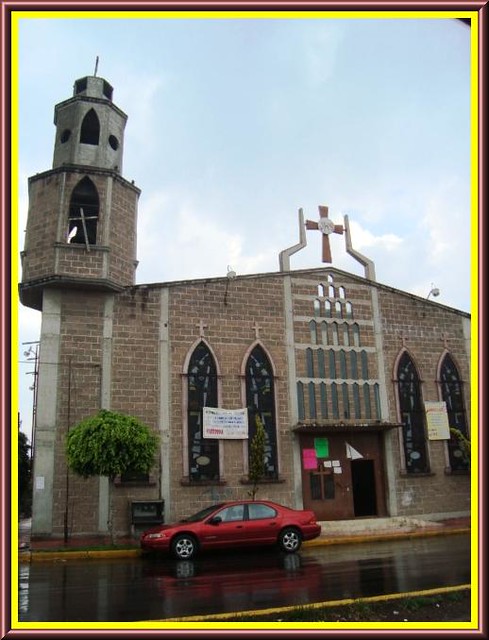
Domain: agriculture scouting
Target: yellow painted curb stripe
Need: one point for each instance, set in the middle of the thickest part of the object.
(319, 605)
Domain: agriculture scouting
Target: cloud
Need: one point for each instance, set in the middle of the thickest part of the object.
(179, 240)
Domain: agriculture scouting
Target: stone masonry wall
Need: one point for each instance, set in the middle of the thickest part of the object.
(426, 330)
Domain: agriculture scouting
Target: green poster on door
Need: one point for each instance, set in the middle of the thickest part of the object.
(322, 447)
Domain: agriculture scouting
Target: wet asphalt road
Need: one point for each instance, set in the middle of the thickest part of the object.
(140, 589)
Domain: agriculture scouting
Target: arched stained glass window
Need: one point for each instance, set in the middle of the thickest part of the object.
(452, 394)
(83, 213)
(260, 400)
(412, 416)
(202, 392)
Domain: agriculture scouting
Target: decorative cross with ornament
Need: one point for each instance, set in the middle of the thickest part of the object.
(326, 226)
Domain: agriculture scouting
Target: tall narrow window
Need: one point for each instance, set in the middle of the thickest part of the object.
(412, 416)
(83, 213)
(260, 400)
(356, 334)
(452, 394)
(312, 400)
(321, 366)
(324, 332)
(366, 399)
(334, 399)
(309, 363)
(353, 365)
(312, 332)
(342, 364)
(332, 368)
(317, 308)
(300, 401)
(90, 128)
(348, 311)
(364, 361)
(335, 334)
(338, 309)
(324, 400)
(346, 400)
(356, 400)
(327, 308)
(346, 336)
(202, 392)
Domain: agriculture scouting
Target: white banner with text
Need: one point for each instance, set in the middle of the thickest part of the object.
(225, 424)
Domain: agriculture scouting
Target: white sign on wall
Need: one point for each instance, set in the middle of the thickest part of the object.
(225, 424)
(437, 420)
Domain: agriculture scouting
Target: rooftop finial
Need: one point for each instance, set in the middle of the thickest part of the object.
(96, 66)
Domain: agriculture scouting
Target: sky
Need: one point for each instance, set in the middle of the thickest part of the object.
(235, 124)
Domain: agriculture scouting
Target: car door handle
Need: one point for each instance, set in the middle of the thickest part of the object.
(272, 524)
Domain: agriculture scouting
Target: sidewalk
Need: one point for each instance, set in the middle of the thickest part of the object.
(335, 532)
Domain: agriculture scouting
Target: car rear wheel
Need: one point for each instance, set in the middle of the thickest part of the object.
(184, 547)
(290, 540)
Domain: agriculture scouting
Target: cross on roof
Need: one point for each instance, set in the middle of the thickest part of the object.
(326, 226)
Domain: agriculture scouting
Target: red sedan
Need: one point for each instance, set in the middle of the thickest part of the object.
(243, 523)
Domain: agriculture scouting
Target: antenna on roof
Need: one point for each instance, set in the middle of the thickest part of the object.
(96, 67)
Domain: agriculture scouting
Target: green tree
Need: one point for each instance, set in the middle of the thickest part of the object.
(25, 497)
(110, 444)
(257, 456)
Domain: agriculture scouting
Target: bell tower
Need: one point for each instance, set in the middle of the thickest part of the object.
(81, 225)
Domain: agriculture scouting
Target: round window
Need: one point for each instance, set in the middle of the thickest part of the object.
(114, 143)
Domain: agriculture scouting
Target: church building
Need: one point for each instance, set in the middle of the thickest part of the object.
(356, 383)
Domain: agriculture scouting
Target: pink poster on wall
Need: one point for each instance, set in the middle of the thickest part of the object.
(309, 459)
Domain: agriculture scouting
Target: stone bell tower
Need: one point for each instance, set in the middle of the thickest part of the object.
(81, 226)
(79, 256)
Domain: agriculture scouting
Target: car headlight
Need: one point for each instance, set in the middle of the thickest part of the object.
(154, 536)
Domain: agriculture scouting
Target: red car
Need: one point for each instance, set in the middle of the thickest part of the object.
(243, 523)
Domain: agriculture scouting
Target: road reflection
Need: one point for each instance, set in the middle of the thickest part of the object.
(153, 588)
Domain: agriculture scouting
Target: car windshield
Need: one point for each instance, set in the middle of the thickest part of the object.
(200, 515)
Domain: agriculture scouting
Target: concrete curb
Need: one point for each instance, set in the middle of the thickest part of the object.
(61, 555)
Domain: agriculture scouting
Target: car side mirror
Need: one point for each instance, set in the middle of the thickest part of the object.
(215, 520)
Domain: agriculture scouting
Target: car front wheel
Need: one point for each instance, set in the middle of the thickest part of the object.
(290, 540)
(184, 547)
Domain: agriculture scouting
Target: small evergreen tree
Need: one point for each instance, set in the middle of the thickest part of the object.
(463, 443)
(110, 444)
(257, 456)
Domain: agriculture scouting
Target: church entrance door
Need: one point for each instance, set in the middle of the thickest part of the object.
(342, 474)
